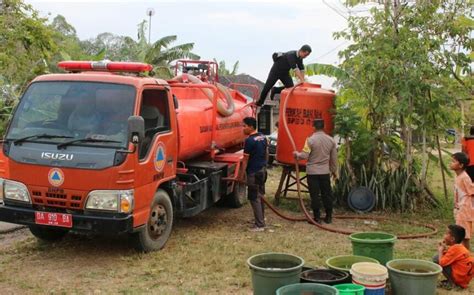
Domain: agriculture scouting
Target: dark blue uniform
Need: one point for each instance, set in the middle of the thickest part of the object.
(256, 147)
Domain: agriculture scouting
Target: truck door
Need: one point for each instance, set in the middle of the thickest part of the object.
(158, 150)
(157, 157)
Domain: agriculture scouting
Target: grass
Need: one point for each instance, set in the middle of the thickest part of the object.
(206, 254)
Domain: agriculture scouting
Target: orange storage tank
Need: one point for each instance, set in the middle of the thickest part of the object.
(195, 115)
(306, 103)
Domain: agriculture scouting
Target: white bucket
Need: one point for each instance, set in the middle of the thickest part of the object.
(372, 276)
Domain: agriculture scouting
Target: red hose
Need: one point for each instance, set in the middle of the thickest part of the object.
(308, 216)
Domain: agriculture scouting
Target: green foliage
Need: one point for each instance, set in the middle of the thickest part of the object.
(401, 79)
(161, 53)
(124, 48)
(327, 70)
(224, 71)
(26, 43)
(31, 46)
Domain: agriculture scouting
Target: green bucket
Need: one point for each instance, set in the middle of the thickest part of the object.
(413, 276)
(345, 262)
(350, 289)
(271, 271)
(307, 289)
(374, 245)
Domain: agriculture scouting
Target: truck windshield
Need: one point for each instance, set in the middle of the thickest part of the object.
(67, 110)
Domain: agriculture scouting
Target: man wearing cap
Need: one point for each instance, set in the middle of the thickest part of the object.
(282, 64)
(320, 151)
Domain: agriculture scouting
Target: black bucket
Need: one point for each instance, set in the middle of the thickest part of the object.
(324, 276)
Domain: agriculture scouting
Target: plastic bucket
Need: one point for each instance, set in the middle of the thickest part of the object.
(413, 276)
(374, 245)
(271, 271)
(350, 289)
(307, 289)
(345, 262)
(308, 267)
(372, 276)
(324, 276)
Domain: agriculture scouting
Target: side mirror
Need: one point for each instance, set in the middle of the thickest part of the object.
(136, 129)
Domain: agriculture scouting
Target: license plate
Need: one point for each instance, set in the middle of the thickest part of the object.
(53, 219)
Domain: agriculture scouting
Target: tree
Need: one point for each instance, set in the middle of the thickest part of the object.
(403, 74)
(223, 71)
(26, 46)
(160, 54)
(69, 45)
(26, 43)
(123, 48)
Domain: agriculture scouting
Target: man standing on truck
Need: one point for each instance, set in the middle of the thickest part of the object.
(256, 147)
(320, 151)
(282, 64)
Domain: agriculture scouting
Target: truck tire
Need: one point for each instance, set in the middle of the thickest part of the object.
(157, 230)
(48, 234)
(238, 197)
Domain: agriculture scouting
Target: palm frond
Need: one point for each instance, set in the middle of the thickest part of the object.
(325, 69)
(164, 41)
(235, 68)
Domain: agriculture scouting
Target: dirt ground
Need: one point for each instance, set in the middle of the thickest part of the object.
(206, 254)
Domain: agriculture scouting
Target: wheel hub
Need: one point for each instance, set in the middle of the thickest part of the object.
(158, 221)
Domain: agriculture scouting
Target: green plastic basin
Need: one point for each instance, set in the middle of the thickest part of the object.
(345, 262)
(374, 245)
(307, 289)
(271, 271)
(350, 289)
(413, 276)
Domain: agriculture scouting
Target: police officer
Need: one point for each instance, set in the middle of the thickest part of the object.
(282, 64)
(320, 151)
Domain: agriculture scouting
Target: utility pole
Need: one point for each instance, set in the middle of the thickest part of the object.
(150, 12)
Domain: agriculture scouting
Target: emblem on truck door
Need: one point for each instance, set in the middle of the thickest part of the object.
(56, 177)
(160, 157)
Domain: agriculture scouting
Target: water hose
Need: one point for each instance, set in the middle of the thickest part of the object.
(224, 110)
(308, 217)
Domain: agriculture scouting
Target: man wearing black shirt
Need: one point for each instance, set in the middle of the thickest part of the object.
(256, 147)
(283, 63)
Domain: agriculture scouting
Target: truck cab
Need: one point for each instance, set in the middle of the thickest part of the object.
(97, 152)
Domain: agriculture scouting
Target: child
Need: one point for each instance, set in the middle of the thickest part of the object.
(463, 195)
(455, 259)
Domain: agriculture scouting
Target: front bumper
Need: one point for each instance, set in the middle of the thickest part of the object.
(104, 225)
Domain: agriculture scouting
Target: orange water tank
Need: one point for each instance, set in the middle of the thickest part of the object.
(306, 103)
(194, 116)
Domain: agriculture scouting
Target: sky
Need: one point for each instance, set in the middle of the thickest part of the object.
(244, 31)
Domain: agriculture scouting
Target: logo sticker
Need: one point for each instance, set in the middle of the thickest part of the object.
(160, 157)
(56, 177)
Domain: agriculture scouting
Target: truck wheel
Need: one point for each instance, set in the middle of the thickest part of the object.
(48, 234)
(157, 230)
(239, 196)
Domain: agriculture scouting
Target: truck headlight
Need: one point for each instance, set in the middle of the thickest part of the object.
(13, 190)
(111, 200)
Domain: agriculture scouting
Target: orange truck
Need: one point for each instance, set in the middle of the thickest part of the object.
(105, 149)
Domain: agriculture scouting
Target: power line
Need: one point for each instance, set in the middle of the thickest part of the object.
(335, 10)
(327, 53)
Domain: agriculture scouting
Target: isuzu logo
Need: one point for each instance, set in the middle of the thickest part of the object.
(57, 156)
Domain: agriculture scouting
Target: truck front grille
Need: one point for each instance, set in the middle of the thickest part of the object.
(67, 199)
